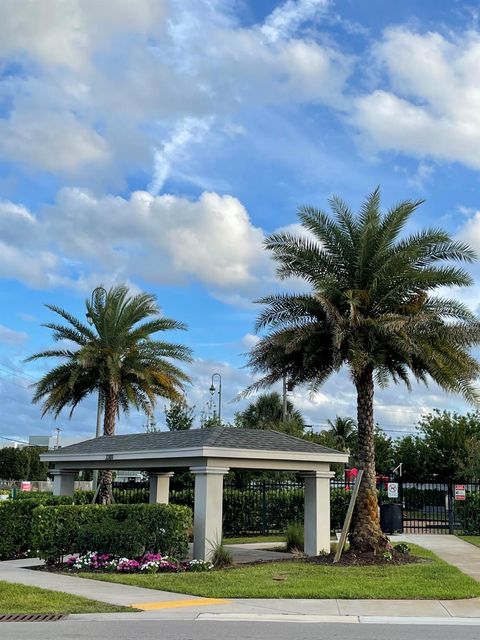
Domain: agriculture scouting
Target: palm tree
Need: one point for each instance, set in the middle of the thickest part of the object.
(115, 357)
(266, 412)
(343, 431)
(370, 308)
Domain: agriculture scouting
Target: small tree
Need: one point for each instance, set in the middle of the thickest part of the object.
(179, 415)
(266, 412)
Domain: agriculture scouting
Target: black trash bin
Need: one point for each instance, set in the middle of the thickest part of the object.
(391, 518)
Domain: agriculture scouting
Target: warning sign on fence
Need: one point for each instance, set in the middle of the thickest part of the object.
(459, 492)
(392, 489)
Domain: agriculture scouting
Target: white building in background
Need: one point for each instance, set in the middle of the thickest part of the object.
(51, 443)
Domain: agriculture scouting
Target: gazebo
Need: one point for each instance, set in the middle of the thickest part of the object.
(209, 454)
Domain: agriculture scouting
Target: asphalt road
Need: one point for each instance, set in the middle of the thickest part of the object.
(206, 630)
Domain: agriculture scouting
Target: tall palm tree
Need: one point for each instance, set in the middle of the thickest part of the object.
(116, 357)
(370, 308)
(343, 431)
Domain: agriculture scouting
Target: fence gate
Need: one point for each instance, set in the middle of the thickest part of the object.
(427, 507)
(435, 507)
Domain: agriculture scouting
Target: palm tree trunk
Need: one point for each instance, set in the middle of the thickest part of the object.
(111, 400)
(366, 535)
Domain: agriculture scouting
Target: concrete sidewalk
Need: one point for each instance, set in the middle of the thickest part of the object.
(171, 606)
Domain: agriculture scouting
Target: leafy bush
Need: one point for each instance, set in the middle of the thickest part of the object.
(16, 524)
(127, 541)
(43, 497)
(121, 496)
(339, 500)
(468, 514)
(402, 548)
(150, 528)
(294, 537)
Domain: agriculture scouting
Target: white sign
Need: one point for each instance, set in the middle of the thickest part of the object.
(392, 489)
(460, 492)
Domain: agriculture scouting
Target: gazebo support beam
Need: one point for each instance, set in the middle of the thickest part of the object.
(317, 512)
(159, 487)
(208, 511)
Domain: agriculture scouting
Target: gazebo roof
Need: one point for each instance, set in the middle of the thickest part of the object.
(227, 446)
(223, 437)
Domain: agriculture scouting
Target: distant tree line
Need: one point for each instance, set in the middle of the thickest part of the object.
(22, 464)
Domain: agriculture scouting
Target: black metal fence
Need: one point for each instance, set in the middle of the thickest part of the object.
(259, 506)
(440, 507)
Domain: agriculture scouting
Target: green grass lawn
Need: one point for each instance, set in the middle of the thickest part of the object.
(18, 598)
(430, 579)
(472, 539)
(254, 539)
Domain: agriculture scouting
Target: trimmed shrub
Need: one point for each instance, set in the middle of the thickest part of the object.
(121, 496)
(128, 541)
(151, 528)
(16, 524)
(43, 497)
(468, 514)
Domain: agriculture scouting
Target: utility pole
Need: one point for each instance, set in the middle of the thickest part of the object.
(98, 433)
(284, 405)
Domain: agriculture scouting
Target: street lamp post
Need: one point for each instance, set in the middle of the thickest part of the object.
(98, 430)
(212, 391)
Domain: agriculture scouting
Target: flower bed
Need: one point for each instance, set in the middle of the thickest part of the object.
(148, 563)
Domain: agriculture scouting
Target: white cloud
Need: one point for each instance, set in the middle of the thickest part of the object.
(422, 176)
(286, 18)
(249, 340)
(66, 33)
(187, 131)
(102, 84)
(82, 239)
(432, 105)
(12, 337)
(49, 141)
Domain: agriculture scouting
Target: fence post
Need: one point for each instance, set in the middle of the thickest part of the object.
(451, 522)
(264, 508)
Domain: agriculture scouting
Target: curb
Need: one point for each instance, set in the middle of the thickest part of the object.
(282, 618)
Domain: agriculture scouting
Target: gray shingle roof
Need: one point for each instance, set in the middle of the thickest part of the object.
(223, 437)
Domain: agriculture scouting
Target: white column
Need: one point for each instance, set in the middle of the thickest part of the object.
(207, 518)
(63, 482)
(159, 487)
(317, 512)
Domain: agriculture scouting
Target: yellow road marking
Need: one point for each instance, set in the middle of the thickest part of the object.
(177, 604)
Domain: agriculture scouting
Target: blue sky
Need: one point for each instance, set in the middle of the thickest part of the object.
(157, 143)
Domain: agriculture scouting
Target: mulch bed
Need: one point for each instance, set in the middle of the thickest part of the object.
(348, 559)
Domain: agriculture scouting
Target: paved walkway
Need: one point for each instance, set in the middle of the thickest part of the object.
(166, 605)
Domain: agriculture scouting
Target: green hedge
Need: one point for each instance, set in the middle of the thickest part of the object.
(248, 511)
(117, 528)
(16, 524)
(121, 496)
(468, 514)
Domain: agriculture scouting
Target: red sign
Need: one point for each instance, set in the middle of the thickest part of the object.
(460, 493)
(25, 485)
